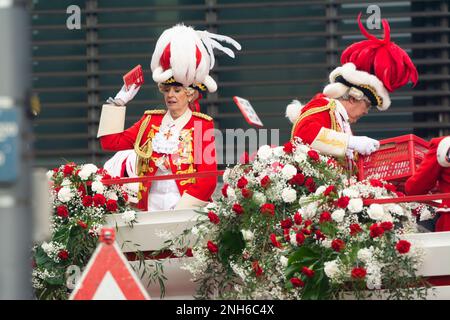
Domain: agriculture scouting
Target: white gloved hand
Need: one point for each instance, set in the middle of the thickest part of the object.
(124, 96)
(363, 145)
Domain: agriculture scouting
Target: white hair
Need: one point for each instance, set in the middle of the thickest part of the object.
(338, 90)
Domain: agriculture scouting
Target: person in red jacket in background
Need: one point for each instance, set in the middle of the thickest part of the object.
(370, 69)
(179, 140)
(434, 171)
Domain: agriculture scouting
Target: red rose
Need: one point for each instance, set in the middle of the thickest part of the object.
(258, 270)
(87, 201)
(246, 193)
(308, 272)
(300, 238)
(387, 226)
(308, 223)
(343, 202)
(274, 240)
(376, 183)
(313, 155)
(376, 230)
(329, 190)
(267, 209)
(67, 170)
(325, 217)
(214, 218)
(338, 245)
(296, 282)
(403, 246)
(298, 218)
(288, 147)
(62, 211)
(242, 182)
(82, 224)
(310, 184)
(358, 273)
(319, 235)
(99, 200)
(212, 247)
(63, 255)
(224, 190)
(298, 179)
(390, 187)
(286, 223)
(237, 208)
(111, 205)
(265, 182)
(354, 229)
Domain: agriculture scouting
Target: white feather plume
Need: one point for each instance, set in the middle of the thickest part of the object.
(293, 110)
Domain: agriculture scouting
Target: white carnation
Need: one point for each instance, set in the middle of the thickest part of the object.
(65, 194)
(338, 215)
(264, 152)
(289, 171)
(289, 195)
(128, 216)
(247, 235)
(87, 170)
(376, 211)
(365, 255)
(355, 205)
(310, 210)
(278, 151)
(98, 187)
(331, 269)
(259, 198)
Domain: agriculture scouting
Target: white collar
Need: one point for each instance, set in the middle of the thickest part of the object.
(341, 109)
(178, 123)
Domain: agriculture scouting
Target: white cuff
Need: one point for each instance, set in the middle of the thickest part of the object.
(441, 153)
(112, 120)
(189, 202)
(330, 142)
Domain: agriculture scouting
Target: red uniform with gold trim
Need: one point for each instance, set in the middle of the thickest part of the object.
(196, 153)
(425, 178)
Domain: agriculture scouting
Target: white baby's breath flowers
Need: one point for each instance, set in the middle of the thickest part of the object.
(49, 174)
(351, 193)
(355, 205)
(289, 195)
(66, 182)
(320, 190)
(289, 171)
(300, 157)
(231, 193)
(278, 151)
(425, 214)
(338, 215)
(111, 195)
(283, 261)
(259, 198)
(128, 216)
(65, 194)
(264, 152)
(376, 212)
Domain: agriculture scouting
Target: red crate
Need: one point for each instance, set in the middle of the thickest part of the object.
(395, 161)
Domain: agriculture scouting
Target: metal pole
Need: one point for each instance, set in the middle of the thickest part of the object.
(15, 162)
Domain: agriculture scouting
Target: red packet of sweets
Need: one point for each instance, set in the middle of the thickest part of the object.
(134, 76)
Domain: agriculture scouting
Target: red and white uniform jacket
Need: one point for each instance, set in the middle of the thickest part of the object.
(324, 124)
(166, 146)
(434, 168)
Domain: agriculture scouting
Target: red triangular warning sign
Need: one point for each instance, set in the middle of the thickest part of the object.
(108, 275)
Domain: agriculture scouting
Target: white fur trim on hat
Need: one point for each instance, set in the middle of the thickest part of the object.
(293, 110)
(349, 72)
(441, 153)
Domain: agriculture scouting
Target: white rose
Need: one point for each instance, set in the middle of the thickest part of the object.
(289, 195)
(338, 215)
(64, 194)
(300, 157)
(259, 198)
(376, 211)
(284, 261)
(128, 216)
(264, 152)
(364, 254)
(98, 187)
(289, 171)
(278, 151)
(247, 235)
(331, 269)
(355, 205)
(320, 190)
(351, 193)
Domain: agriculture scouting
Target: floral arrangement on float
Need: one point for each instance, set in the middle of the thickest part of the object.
(80, 202)
(291, 225)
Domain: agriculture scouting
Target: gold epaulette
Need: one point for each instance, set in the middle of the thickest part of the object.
(158, 111)
(202, 116)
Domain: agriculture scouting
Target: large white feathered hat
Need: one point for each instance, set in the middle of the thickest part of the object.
(183, 55)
